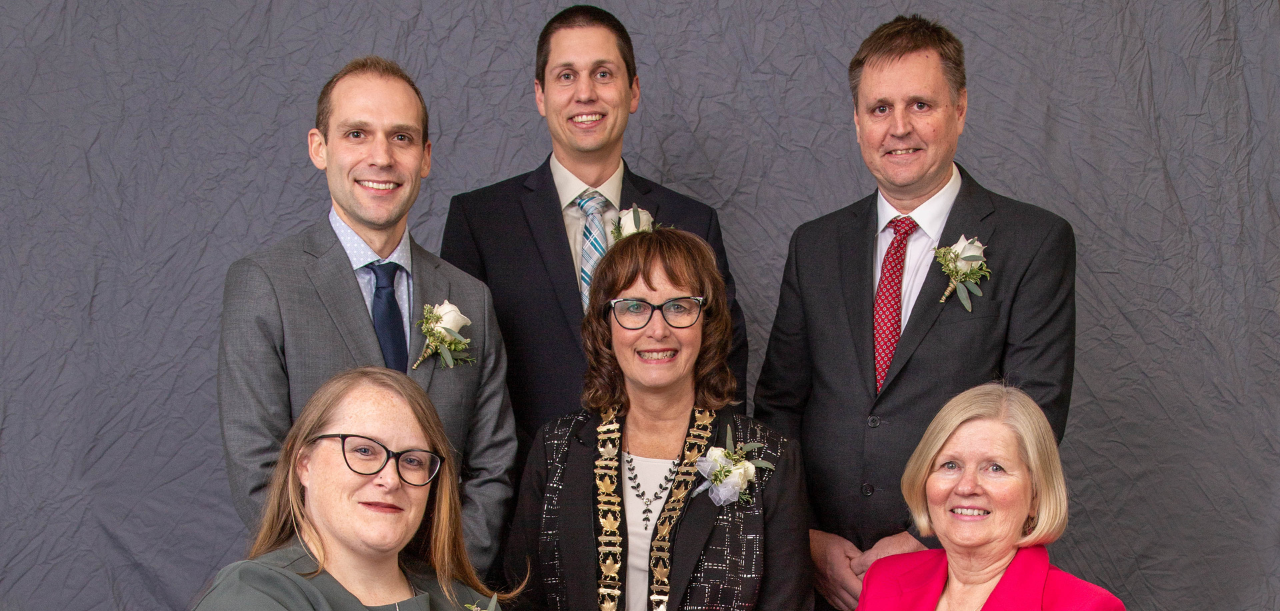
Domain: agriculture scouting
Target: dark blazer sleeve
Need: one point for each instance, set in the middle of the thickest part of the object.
(459, 246)
(785, 379)
(1041, 347)
(738, 349)
(788, 567)
(253, 385)
(521, 558)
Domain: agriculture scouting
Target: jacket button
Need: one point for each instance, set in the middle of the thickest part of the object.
(868, 489)
(873, 421)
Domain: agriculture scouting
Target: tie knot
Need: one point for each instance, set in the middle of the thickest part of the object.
(591, 202)
(903, 226)
(384, 274)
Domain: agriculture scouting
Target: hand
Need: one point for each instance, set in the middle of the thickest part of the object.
(900, 543)
(833, 558)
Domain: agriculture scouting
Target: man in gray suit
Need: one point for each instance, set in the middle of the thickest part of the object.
(347, 292)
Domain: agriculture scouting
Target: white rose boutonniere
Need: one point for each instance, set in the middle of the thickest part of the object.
(441, 324)
(630, 221)
(729, 473)
(966, 266)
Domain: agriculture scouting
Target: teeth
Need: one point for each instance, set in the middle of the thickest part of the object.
(902, 151)
(665, 354)
(381, 186)
(969, 512)
(587, 118)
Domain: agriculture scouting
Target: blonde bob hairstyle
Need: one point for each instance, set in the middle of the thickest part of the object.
(1036, 446)
(437, 543)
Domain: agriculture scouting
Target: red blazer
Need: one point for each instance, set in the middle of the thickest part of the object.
(914, 582)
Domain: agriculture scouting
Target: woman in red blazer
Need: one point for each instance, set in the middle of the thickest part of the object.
(987, 481)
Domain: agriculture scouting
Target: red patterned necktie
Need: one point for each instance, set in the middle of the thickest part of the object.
(888, 312)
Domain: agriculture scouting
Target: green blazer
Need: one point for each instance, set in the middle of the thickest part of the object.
(276, 582)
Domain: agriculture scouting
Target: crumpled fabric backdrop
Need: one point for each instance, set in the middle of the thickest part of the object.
(147, 145)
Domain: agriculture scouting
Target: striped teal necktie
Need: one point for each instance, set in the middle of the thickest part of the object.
(593, 238)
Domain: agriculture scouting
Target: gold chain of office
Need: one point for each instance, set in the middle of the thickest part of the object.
(609, 509)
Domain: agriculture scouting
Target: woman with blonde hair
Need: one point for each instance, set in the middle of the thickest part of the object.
(362, 510)
(987, 481)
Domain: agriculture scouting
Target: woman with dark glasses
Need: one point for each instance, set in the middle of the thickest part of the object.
(653, 497)
(362, 511)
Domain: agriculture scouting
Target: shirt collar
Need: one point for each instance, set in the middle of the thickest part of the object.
(931, 216)
(359, 252)
(569, 187)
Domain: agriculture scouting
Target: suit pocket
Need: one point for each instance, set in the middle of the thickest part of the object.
(953, 311)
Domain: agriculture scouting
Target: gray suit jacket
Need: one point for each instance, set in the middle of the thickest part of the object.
(293, 316)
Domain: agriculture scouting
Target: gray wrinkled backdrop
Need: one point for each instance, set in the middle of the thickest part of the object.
(147, 145)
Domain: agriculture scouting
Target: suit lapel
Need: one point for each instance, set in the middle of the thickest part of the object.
(578, 519)
(635, 192)
(693, 529)
(970, 216)
(336, 285)
(429, 288)
(541, 205)
(857, 235)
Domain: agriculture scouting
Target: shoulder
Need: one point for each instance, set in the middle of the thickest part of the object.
(497, 192)
(318, 236)
(450, 273)
(827, 226)
(901, 563)
(1014, 213)
(260, 583)
(1062, 590)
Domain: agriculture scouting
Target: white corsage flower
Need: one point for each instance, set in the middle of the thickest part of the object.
(965, 264)
(441, 325)
(632, 220)
(729, 474)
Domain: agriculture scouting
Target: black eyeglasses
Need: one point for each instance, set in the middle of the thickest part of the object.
(367, 457)
(679, 312)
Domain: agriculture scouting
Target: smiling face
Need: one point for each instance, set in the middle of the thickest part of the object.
(656, 359)
(908, 126)
(979, 491)
(585, 95)
(375, 154)
(365, 516)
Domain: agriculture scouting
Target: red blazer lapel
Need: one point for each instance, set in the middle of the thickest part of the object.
(1022, 585)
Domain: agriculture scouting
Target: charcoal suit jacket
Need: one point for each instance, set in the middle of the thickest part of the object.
(293, 317)
(511, 235)
(818, 380)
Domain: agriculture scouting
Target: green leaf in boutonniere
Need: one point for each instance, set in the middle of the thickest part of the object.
(440, 325)
(964, 264)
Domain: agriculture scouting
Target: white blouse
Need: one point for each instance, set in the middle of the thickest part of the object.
(651, 474)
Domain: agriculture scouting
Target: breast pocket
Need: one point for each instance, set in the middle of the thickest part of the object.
(953, 311)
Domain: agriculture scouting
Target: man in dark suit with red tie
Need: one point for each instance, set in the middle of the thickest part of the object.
(868, 343)
(534, 238)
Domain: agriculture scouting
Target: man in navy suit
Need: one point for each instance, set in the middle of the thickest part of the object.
(864, 351)
(534, 238)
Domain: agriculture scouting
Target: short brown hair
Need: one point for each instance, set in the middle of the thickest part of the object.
(583, 16)
(1037, 448)
(688, 263)
(371, 64)
(904, 36)
(438, 541)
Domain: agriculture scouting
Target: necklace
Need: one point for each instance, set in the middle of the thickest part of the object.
(633, 477)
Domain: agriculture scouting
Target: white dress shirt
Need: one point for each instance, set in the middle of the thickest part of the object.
(361, 255)
(931, 216)
(569, 187)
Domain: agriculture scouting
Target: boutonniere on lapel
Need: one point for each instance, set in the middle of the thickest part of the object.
(493, 605)
(441, 325)
(729, 473)
(630, 221)
(966, 266)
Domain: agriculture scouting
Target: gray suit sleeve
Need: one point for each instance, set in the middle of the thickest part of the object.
(490, 451)
(253, 386)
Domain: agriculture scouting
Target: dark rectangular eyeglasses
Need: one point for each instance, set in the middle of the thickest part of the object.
(367, 457)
